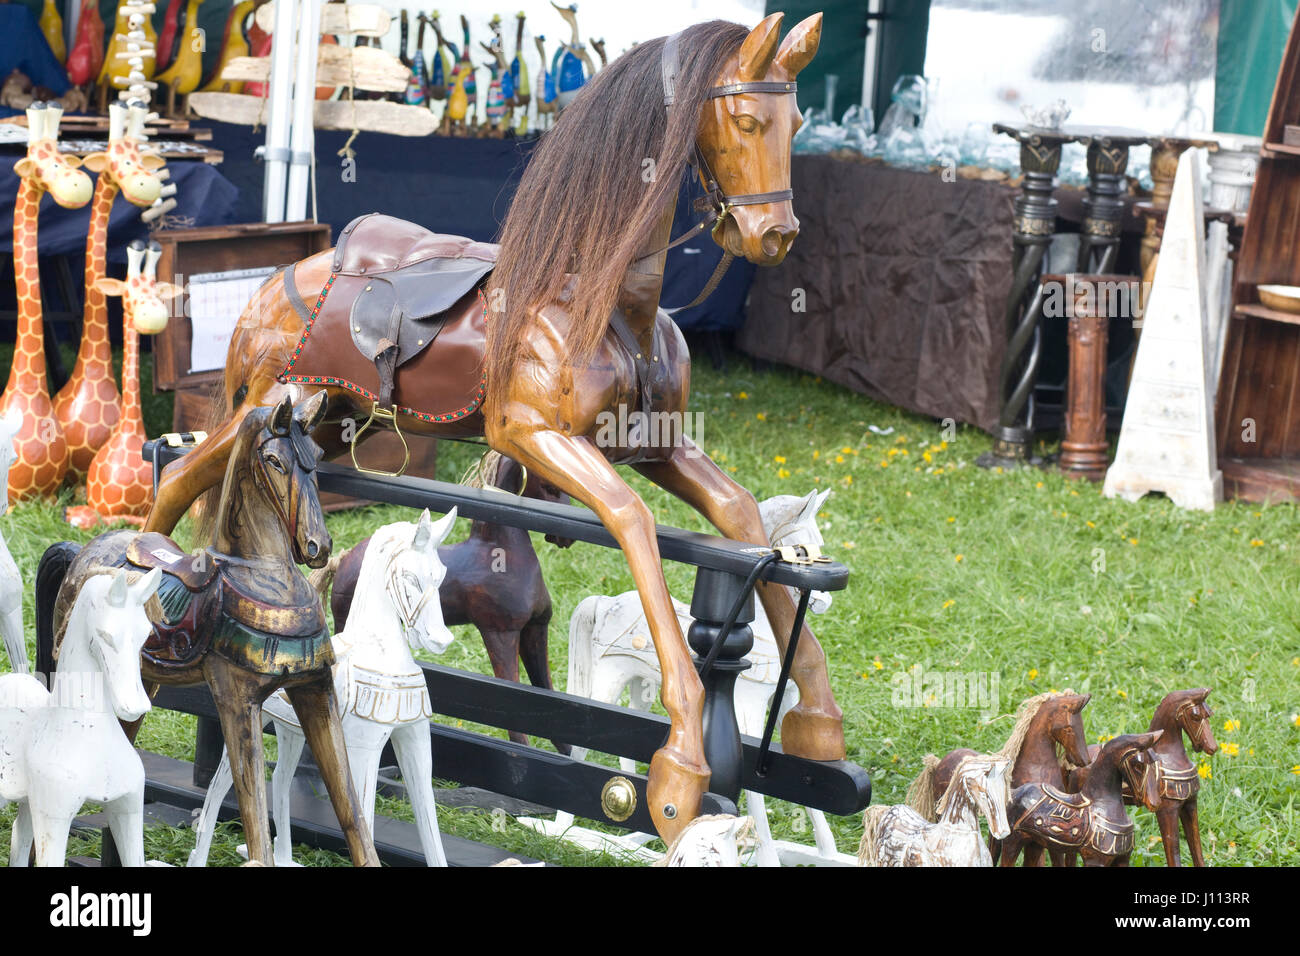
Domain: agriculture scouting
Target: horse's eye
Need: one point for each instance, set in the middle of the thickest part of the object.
(747, 123)
(275, 463)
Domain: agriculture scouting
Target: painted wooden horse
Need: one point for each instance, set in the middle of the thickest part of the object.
(1047, 728)
(610, 651)
(899, 836)
(1181, 712)
(42, 451)
(11, 580)
(67, 745)
(381, 688)
(513, 621)
(89, 405)
(565, 351)
(119, 484)
(1093, 821)
(241, 617)
(709, 841)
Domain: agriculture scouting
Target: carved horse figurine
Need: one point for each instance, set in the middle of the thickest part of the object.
(1047, 729)
(67, 745)
(379, 684)
(42, 451)
(609, 651)
(119, 484)
(566, 350)
(899, 836)
(88, 406)
(1093, 821)
(713, 841)
(1181, 712)
(240, 615)
(513, 621)
(11, 580)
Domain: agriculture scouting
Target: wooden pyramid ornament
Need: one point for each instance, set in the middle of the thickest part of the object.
(1166, 442)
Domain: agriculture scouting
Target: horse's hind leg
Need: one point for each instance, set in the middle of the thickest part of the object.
(289, 742)
(126, 822)
(814, 728)
(1192, 830)
(20, 841)
(535, 654)
(239, 695)
(207, 822)
(1167, 817)
(503, 651)
(318, 713)
(679, 773)
(415, 757)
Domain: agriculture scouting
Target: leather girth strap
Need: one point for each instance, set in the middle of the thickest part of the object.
(651, 373)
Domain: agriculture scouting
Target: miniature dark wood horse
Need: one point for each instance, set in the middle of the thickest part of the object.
(1092, 822)
(493, 581)
(393, 324)
(1043, 724)
(241, 617)
(1181, 712)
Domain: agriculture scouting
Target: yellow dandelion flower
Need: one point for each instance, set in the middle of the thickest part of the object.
(743, 395)
(1038, 485)
(1295, 719)
(848, 544)
(846, 480)
(839, 459)
(1133, 541)
(816, 454)
(960, 557)
(875, 662)
(1033, 673)
(1105, 737)
(927, 456)
(1230, 726)
(779, 459)
(948, 603)
(1122, 694)
(1074, 494)
(951, 519)
(782, 473)
(917, 468)
(846, 450)
(1256, 543)
(1091, 524)
(1229, 749)
(943, 446)
(1204, 771)
(883, 463)
(998, 469)
(938, 471)
(731, 468)
(1296, 769)
(761, 416)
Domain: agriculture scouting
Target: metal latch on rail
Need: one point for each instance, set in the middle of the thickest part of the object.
(802, 554)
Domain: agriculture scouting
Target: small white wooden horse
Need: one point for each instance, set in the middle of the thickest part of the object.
(65, 746)
(380, 687)
(11, 582)
(610, 649)
(899, 836)
(713, 840)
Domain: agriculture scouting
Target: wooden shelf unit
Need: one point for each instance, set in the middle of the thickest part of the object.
(1257, 418)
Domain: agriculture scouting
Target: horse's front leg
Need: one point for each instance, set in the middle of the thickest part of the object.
(20, 840)
(813, 728)
(318, 713)
(126, 823)
(679, 773)
(1167, 817)
(1192, 830)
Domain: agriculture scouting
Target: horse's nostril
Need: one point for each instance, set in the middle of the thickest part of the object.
(313, 549)
(772, 241)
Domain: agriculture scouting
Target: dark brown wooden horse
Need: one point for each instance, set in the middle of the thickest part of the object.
(1181, 712)
(1047, 727)
(1092, 822)
(241, 617)
(494, 581)
(389, 324)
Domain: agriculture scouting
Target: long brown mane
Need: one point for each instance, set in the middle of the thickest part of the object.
(589, 196)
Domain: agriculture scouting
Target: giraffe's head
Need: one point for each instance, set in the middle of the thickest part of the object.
(144, 298)
(44, 166)
(134, 172)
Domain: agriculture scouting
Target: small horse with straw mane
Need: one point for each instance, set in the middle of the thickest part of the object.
(400, 334)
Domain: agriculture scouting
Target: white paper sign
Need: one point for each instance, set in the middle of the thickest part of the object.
(215, 301)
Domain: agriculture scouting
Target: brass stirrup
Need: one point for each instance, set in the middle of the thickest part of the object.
(384, 414)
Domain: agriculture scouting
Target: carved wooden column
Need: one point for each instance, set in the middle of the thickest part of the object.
(1165, 152)
(1103, 206)
(1091, 301)
(1034, 224)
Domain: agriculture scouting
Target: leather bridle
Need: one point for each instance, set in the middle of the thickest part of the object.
(715, 201)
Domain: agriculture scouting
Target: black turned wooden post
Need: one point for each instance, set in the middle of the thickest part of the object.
(1034, 225)
(1103, 206)
(715, 595)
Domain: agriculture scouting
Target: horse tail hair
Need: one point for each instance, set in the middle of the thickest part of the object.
(869, 848)
(920, 795)
(322, 578)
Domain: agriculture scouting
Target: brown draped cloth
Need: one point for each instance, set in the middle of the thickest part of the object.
(906, 278)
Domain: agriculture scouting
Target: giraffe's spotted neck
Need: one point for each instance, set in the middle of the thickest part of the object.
(28, 370)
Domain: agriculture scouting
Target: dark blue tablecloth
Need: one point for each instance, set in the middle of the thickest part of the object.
(23, 47)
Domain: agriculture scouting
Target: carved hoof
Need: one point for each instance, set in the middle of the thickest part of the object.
(675, 791)
(813, 735)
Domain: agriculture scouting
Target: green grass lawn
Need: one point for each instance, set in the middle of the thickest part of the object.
(1026, 578)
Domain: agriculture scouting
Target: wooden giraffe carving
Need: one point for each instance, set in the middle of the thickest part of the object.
(119, 485)
(88, 406)
(42, 452)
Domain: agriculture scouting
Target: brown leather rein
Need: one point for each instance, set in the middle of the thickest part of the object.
(715, 200)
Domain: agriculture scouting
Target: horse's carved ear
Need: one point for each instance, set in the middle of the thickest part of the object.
(800, 45)
(281, 417)
(311, 412)
(1200, 694)
(759, 48)
(1080, 701)
(423, 530)
(117, 590)
(143, 589)
(441, 528)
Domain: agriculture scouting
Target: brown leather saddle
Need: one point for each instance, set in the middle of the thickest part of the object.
(401, 320)
(190, 596)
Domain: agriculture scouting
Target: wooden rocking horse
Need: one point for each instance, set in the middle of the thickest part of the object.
(1093, 821)
(397, 334)
(1181, 712)
(241, 616)
(1045, 725)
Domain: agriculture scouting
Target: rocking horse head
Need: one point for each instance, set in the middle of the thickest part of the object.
(144, 298)
(412, 577)
(275, 450)
(982, 782)
(45, 167)
(132, 171)
(112, 628)
(1130, 755)
(1188, 711)
(1064, 716)
(792, 520)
